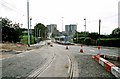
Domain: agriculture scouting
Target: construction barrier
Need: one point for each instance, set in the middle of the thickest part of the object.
(97, 57)
(116, 71)
(110, 67)
(102, 61)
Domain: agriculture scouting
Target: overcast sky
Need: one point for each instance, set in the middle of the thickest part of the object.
(73, 11)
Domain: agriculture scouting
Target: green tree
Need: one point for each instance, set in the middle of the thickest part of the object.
(10, 32)
(42, 29)
(116, 33)
(94, 35)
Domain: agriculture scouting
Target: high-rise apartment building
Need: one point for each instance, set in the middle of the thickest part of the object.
(70, 29)
(52, 28)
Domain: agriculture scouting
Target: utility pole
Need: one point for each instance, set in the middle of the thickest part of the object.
(39, 33)
(28, 22)
(77, 36)
(77, 32)
(99, 30)
(85, 28)
(30, 31)
(62, 24)
(35, 34)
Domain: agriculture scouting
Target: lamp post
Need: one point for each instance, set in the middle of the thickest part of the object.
(85, 28)
(62, 23)
(99, 31)
(30, 30)
(21, 25)
(39, 33)
(28, 22)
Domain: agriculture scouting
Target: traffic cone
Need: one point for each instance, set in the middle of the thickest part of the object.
(81, 50)
(66, 47)
(99, 50)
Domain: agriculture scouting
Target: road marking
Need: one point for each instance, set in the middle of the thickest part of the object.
(70, 63)
(92, 50)
(20, 55)
(2, 59)
(105, 49)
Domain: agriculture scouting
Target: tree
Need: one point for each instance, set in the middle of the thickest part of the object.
(94, 35)
(10, 32)
(42, 29)
(116, 32)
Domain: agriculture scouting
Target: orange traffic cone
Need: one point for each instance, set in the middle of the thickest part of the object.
(81, 50)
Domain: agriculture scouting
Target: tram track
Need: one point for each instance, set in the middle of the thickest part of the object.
(73, 67)
(39, 71)
(55, 61)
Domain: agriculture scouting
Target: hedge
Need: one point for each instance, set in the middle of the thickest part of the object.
(113, 42)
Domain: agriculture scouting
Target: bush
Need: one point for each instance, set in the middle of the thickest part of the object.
(114, 42)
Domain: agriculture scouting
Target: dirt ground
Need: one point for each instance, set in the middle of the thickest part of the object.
(13, 47)
(7, 48)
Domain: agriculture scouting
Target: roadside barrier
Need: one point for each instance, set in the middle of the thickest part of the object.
(116, 71)
(110, 67)
(81, 48)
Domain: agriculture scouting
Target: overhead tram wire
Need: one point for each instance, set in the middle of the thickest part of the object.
(11, 7)
(105, 18)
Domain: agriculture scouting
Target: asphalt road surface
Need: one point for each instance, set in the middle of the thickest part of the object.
(31, 62)
(21, 65)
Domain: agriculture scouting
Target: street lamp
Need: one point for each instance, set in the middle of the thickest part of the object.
(21, 25)
(85, 27)
(39, 33)
(30, 30)
(62, 23)
(28, 22)
(99, 30)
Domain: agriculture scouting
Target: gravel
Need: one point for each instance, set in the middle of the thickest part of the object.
(88, 67)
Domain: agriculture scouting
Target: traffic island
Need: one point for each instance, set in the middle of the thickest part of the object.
(110, 67)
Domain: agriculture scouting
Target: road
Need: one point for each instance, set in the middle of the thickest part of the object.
(87, 66)
(21, 65)
(56, 61)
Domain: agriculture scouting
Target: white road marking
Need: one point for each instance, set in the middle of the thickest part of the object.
(105, 49)
(2, 59)
(20, 55)
(92, 50)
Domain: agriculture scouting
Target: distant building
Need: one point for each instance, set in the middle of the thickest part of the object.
(70, 29)
(52, 28)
